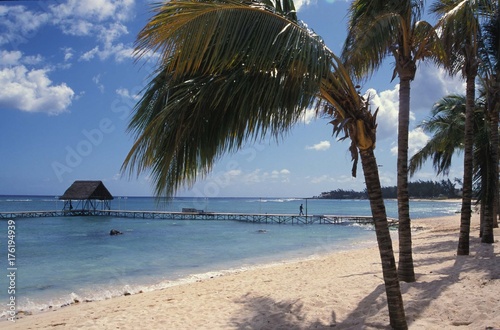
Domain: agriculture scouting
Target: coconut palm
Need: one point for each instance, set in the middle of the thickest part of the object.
(461, 34)
(232, 72)
(377, 29)
(446, 125)
(490, 77)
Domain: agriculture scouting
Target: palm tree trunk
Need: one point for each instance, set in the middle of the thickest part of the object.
(491, 187)
(494, 147)
(482, 209)
(487, 221)
(463, 240)
(392, 288)
(405, 269)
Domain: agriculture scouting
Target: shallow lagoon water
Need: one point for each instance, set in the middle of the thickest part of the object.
(60, 260)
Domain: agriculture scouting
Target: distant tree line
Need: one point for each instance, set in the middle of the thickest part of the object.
(419, 189)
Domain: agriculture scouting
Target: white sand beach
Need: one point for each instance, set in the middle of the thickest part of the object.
(343, 290)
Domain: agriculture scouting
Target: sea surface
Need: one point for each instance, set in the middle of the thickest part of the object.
(63, 260)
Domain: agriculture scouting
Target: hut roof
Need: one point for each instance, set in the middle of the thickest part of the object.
(80, 190)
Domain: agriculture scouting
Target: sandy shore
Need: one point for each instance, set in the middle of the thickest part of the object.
(343, 290)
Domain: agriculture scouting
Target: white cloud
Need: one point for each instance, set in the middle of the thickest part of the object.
(20, 24)
(321, 179)
(90, 54)
(119, 51)
(97, 81)
(68, 53)
(107, 35)
(77, 27)
(259, 176)
(33, 91)
(387, 103)
(15, 57)
(33, 60)
(125, 93)
(321, 146)
(102, 19)
(417, 139)
(92, 10)
(330, 179)
(299, 3)
(432, 83)
(10, 58)
(111, 32)
(308, 116)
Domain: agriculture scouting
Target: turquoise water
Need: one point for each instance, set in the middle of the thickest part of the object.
(60, 260)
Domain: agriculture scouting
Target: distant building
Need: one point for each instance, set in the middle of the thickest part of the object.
(86, 197)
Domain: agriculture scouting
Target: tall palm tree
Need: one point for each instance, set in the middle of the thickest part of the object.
(377, 29)
(446, 125)
(490, 77)
(460, 31)
(233, 71)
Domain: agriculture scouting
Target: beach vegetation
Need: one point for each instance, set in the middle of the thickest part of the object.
(232, 72)
(418, 189)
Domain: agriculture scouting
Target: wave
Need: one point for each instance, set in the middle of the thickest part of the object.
(275, 200)
(30, 306)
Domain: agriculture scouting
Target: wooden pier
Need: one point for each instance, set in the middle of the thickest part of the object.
(246, 217)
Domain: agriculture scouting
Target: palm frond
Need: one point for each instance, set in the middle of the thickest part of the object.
(367, 45)
(447, 124)
(350, 111)
(459, 27)
(381, 28)
(229, 73)
(232, 33)
(427, 44)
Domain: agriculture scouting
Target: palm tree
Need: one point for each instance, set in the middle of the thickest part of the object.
(377, 29)
(233, 71)
(460, 31)
(446, 125)
(490, 76)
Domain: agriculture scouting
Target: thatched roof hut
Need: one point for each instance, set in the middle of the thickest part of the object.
(88, 195)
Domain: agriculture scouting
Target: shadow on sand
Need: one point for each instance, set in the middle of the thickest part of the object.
(266, 313)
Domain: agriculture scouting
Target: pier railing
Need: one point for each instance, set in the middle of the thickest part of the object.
(246, 217)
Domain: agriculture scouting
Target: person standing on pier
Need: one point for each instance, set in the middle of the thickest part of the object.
(301, 208)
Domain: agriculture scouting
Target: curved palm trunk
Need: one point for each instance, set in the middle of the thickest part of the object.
(405, 268)
(392, 289)
(463, 240)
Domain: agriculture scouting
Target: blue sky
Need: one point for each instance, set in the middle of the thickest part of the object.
(68, 83)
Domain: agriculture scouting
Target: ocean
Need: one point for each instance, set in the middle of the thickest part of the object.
(63, 260)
